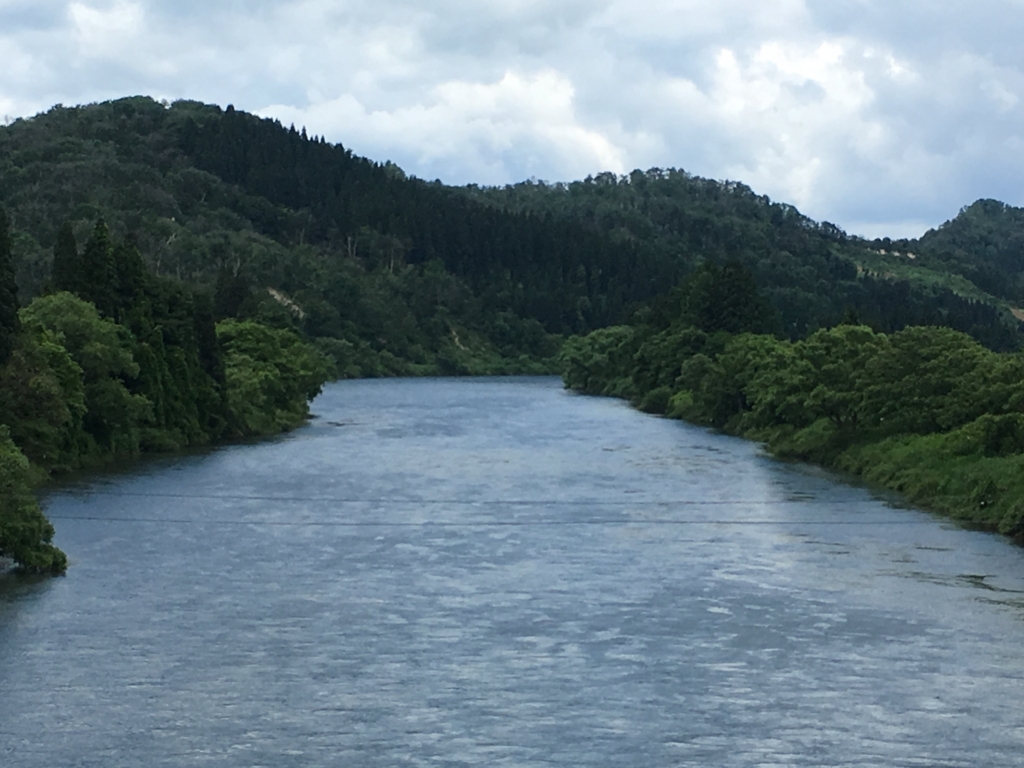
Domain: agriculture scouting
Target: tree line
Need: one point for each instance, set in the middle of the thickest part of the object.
(926, 410)
(397, 268)
(349, 267)
(111, 361)
(813, 273)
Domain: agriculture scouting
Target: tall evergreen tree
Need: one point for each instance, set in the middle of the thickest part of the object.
(229, 294)
(98, 276)
(66, 272)
(129, 276)
(8, 291)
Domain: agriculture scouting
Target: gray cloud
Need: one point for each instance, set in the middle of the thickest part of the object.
(882, 117)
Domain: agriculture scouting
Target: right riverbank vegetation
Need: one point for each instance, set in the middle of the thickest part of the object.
(178, 275)
(926, 410)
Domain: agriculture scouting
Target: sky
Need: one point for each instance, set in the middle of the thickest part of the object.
(884, 117)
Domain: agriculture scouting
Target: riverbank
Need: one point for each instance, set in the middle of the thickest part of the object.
(965, 474)
(26, 534)
(926, 412)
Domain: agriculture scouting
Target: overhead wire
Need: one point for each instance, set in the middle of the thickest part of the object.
(491, 502)
(384, 501)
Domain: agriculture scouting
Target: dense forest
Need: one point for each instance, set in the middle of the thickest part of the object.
(813, 274)
(926, 410)
(174, 275)
(113, 361)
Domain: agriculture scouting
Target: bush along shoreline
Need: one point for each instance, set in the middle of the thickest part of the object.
(926, 411)
(112, 362)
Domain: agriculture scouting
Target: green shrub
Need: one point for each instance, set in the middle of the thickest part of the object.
(656, 401)
(25, 533)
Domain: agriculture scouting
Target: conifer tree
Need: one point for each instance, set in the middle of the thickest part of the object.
(65, 273)
(8, 290)
(98, 274)
(229, 294)
(129, 276)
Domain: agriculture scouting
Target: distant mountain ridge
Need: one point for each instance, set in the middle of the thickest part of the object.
(397, 268)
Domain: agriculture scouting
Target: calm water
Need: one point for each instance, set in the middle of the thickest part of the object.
(499, 573)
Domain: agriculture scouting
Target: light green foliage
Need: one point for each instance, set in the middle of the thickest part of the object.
(777, 390)
(834, 377)
(25, 534)
(926, 411)
(932, 379)
(42, 398)
(102, 350)
(729, 388)
(657, 361)
(271, 375)
(600, 363)
(974, 473)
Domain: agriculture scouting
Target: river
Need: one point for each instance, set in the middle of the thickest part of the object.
(496, 572)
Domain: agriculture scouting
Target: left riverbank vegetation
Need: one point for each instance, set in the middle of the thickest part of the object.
(927, 411)
(111, 361)
(180, 274)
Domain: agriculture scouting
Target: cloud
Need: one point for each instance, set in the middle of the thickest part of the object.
(102, 32)
(872, 115)
(473, 131)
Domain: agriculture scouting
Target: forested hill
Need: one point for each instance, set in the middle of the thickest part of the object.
(401, 275)
(968, 275)
(207, 190)
(985, 244)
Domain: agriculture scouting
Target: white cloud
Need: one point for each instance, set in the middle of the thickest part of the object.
(470, 130)
(790, 106)
(102, 31)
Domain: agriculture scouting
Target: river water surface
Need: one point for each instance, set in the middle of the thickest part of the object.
(500, 573)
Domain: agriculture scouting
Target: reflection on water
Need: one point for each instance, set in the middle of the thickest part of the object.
(496, 572)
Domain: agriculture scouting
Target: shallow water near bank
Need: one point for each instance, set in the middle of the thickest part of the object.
(498, 572)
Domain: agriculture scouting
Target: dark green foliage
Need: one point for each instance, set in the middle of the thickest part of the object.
(714, 298)
(66, 271)
(128, 278)
(812, 275)
(726, 299)
(392, 268)
(984, 243)
(560, 273)
(98, 275)
(8, 290)
(241, 205)
(230, 294)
